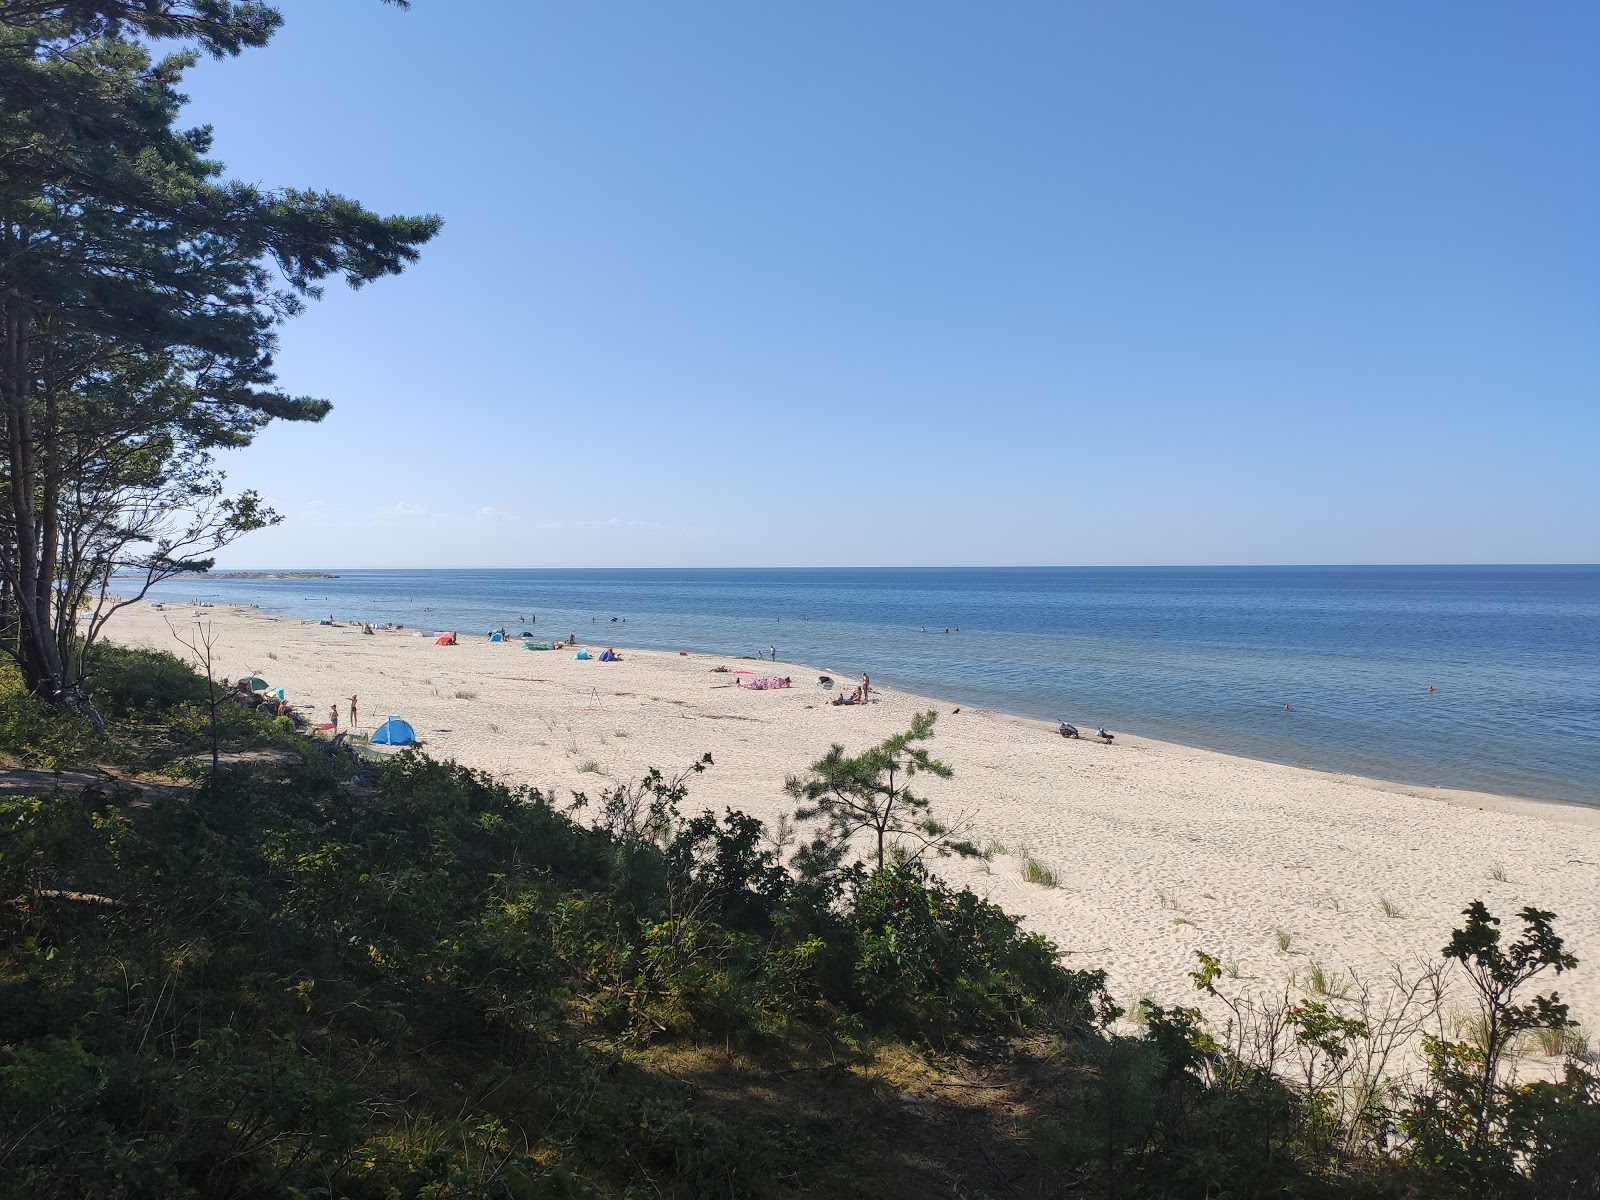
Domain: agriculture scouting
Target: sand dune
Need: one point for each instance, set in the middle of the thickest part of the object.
(1161, 849)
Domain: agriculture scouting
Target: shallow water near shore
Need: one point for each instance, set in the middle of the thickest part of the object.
(1203, 656)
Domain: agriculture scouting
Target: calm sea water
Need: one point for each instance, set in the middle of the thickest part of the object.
(1204, 656)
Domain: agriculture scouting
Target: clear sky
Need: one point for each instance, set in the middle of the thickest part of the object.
(939, 283)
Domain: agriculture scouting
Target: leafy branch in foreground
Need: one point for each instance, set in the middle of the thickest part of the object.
(871, 793)
(1465, 1123)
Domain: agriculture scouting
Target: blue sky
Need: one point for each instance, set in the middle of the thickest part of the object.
(939, 283)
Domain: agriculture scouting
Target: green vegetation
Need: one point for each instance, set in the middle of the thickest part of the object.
(870, 794)
(1390, 908)
(1034, 871)
(1323, 982)
(141, 294)
(320, 977)
(1561, 1042)
(465, 695)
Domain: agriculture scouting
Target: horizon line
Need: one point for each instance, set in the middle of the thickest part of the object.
(911, 567)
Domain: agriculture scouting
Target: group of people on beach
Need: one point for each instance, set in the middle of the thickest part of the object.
(861, 695)
(333, 716)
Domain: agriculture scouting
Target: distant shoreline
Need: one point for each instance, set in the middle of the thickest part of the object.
(269, 575)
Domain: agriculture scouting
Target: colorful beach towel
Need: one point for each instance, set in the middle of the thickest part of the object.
(765, 683)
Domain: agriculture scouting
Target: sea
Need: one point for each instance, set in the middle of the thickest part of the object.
(1323, 667)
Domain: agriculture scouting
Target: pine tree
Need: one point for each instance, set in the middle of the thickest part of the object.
(140, 298)
(870, 793)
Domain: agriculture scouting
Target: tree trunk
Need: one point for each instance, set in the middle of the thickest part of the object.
(36, 649)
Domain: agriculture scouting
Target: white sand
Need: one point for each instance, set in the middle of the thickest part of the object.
(1147, 835)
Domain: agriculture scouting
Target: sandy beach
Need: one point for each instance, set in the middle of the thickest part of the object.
(1161, 849)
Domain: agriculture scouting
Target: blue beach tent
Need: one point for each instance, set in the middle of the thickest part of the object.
(581, 654)
(495, 636)
(394, 732)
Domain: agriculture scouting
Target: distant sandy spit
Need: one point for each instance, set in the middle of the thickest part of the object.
(1161, 849)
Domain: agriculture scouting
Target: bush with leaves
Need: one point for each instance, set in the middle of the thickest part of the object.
(935, 962)
(1466, 1124)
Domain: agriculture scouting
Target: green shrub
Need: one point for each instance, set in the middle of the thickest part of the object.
(936, 962)
(125, 681)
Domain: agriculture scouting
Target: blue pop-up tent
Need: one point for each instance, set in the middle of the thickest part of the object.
(394, 732)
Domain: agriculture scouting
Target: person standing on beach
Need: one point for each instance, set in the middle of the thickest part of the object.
(333, 716)
(773, 650)
(866, 687)
(352, 712)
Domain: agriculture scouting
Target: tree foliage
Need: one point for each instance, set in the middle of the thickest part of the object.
(870, 793)
(1467, 1123)
(140, 297)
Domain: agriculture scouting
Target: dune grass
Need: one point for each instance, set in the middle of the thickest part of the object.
(1034, 871)
(1569, 1042)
